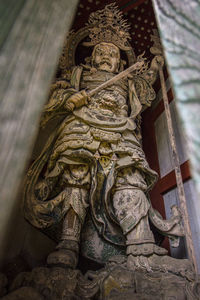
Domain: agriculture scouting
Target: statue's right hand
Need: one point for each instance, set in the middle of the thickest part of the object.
(77, 100)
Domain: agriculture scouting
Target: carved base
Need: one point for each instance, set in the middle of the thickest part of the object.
(45, 283)
(117, 281)
(165, 264)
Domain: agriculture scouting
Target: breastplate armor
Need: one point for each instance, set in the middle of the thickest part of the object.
(111, 101)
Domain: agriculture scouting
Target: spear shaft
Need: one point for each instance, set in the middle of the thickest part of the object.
(117, 77)
(179, 180)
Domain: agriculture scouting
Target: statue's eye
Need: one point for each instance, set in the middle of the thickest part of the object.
(100, 52)
(113, 54)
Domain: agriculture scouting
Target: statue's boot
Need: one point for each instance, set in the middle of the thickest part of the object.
(141, 245)
(65, 256)
(67, 251)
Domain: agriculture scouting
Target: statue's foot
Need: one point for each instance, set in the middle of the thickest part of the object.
(63, 258)
(66, 254)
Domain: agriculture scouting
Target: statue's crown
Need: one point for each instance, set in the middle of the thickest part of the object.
(107, 25)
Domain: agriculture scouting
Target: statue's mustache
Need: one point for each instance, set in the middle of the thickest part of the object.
(105, 61)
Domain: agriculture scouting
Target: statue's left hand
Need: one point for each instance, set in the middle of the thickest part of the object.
(77, 100)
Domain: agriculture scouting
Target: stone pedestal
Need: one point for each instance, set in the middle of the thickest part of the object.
(116, 281)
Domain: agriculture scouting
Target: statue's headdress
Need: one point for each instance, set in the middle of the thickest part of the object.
(104, 25)
(107, 25)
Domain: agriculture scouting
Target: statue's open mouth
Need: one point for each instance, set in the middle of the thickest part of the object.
(105, 62)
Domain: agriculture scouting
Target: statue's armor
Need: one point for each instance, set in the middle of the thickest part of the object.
(96, 152)
(111, 101)
(103, 130)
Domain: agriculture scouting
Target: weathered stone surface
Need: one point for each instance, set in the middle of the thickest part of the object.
(113, 282)
(51, 283)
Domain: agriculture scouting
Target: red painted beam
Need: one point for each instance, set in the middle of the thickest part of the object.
(168, 182)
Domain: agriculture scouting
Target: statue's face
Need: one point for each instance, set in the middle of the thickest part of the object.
(106, 57)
